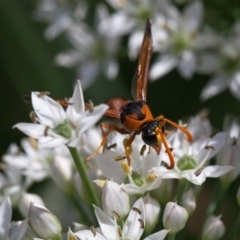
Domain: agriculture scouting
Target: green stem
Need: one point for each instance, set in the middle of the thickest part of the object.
(183, 185)
(171, 236)
(83, 215)
(83, 175)
(220, 193)
(235, 229)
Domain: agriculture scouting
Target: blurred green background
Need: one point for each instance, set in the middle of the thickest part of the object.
(26, 64)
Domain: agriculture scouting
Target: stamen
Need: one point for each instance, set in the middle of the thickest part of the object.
(45, 133)
(33, 117)
(150, 178)
(33, 142)
(93, 230)
(137, 210)
(111, 146)
(126, 169)
(234, 142)
(198, 171)
(143, 149)
(91, 106)
(119, 158)
(141, 223)
(116, 215)
(42, 94)
(213, 133)
(119, 231)
(209, 147)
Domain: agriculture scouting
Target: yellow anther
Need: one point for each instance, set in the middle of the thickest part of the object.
(150, 178)
(126, 168)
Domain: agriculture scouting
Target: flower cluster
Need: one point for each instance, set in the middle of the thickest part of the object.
(123, 188)
(129, 208)
(182, 39)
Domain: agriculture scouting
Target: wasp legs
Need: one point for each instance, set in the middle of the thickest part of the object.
(163, 121)
(105, 138)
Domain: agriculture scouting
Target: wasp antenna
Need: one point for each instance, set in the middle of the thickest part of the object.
(184, 130)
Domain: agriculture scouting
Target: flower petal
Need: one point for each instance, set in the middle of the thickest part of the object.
(5, 218)
(134, 224)
(107, 225)
(187, 64)
(92, 117)
(31, 129)
(216, 171)
(193, 15)
(195, 179)
(110, 168)
(48, 110)
(18, 232)
(50, 142)
(158, 235)
(235, 86)
(88, 235)
(215, 86)
(163, 65)
(77, 98)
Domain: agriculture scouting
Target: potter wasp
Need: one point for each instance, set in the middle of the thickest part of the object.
(134, 116)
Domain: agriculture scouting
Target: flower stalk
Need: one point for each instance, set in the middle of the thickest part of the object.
(83, 174)
(235, 229)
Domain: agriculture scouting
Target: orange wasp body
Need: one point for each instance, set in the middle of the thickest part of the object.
(135, 117)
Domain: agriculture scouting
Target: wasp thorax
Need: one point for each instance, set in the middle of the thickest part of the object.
(149, 132)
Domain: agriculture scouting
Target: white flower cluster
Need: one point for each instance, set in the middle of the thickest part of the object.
(130, 206)
(182, 40)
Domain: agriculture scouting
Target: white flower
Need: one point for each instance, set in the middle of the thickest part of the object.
(191, 159)
(133, 226)
(32, 162)
(56, 126)
(8, 230)
(93, 52)
(59, 15)
(229, 154)
(130, 16)
(139, 177)
(223, 62)
(182, 34)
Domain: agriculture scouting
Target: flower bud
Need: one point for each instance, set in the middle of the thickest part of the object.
(152, 209)
(213, 228)
(25, 202)
(189, 201)
(174, 217)
(115, 200)
(71, 235)
(43, 222)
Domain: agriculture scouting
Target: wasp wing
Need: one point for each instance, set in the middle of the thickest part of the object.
(140, 79)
